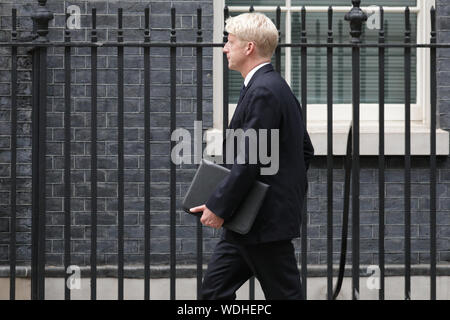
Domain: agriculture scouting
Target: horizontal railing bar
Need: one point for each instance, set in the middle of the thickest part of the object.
(366, 45)
(190, 271)
(196, 45)
(319, 9)
(324, 9)
(205, 44)
(109, 44)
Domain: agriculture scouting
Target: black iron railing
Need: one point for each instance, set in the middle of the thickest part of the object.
(40, 45)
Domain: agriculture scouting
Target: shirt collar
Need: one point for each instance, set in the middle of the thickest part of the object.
(252, 72)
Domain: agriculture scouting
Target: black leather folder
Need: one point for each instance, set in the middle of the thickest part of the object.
(205, 181)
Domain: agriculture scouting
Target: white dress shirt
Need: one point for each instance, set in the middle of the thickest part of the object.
(252, 72)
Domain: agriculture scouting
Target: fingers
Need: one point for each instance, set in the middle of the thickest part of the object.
(198, 209)
(208, 218)
(205, 220)
(211, 221)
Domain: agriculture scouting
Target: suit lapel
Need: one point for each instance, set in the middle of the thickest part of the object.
(264, 69)
(242, 93)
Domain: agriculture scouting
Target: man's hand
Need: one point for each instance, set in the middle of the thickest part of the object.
(208, 218)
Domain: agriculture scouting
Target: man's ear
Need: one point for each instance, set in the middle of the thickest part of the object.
(250, 48)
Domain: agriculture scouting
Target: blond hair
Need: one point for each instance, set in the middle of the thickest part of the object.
(257, 28)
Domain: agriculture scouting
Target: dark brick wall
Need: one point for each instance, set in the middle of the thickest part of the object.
(134, 148)
(133, 23)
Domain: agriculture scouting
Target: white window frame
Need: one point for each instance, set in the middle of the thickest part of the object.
(317, 113)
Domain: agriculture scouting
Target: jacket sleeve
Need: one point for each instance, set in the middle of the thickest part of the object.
(262, 112)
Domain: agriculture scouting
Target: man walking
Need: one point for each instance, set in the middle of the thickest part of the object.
(266, 102)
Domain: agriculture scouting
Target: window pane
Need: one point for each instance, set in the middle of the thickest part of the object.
(254, 3)
(398, 3)
(316, 30)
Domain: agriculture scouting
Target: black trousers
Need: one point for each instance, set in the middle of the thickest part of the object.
(273, 264)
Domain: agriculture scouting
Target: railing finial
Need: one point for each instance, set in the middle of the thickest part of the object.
(356, 17)
(41, 18)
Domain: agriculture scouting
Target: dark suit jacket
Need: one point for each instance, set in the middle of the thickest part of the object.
(268, 103)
